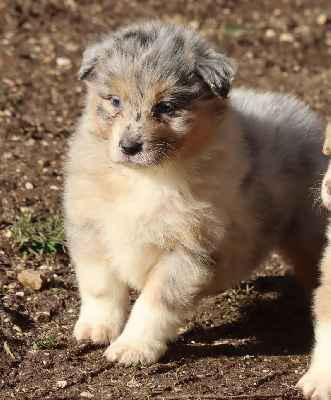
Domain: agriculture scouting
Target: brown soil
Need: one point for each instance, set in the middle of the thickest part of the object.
(249, 345)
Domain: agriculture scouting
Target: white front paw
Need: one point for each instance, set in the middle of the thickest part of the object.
(316, 385)
(135, 353)
(98, 333)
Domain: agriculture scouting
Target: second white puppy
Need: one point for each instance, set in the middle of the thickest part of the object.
(316, 383)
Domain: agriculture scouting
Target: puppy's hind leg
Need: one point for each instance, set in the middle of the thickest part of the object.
(304, 252)
(316, 383)
(105, 300)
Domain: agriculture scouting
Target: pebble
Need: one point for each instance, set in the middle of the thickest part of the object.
(270, 33)
(321, 19)
(63, 62)
(61, 384)
(8, 234)
(194, 24)
(54, 187)
(87, 395)
(30, 142)
(286, 37)
(28, 185)
(17, 328)
(25, 209)
(31, 279)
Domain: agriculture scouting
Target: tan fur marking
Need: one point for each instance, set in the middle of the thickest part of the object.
(152, 289)
(201, 132)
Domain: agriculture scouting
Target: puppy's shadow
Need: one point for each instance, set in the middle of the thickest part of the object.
(277, 321)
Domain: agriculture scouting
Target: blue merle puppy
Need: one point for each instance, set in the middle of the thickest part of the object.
(178, 189)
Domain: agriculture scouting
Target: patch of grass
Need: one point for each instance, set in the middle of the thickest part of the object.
(232, 30)
(8, 350)
(178, 372)
(3, 97)
(46, 343)
(133, 382)
(239, 289)
(39, 238)
(139, 366)
(154, 386)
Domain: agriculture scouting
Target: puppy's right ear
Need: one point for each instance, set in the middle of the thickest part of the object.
(92, 54)
(327, 142)
(217, 71)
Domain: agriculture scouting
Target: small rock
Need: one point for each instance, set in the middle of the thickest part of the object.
(286, 37)
(25, 209)
(8, 234)
(87, 394)
(31, 279)
(28, 186)
(72, 47)
(30, 142)
(270, 33)
(194, 24)
(63, 62)
(7, 155)
(54, 187)
(321, 19)
(61, 384)
(17, 328)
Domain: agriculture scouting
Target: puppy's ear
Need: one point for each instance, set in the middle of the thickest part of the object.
(92, 54)
(217, 71)
(327, 142)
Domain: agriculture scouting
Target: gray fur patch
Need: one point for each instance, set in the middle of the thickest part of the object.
(181, 286)
(103, 113)
(270, 217)
(158, 51)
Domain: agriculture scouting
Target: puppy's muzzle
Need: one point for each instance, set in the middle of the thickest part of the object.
(130, 147)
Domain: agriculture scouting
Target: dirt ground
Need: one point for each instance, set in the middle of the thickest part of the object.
(248, 343)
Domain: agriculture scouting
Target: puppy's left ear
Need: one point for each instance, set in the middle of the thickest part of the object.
(92, 54)
(217, 71)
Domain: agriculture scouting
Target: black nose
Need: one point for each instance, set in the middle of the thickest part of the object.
(130, 147)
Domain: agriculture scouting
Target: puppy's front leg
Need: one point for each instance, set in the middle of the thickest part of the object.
(169, 295)
(316, 383)
(105, 300)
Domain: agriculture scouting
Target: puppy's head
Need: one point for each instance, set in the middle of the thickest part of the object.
(155, 91)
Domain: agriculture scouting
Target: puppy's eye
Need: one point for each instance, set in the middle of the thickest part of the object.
(163, 109)
(116, 102)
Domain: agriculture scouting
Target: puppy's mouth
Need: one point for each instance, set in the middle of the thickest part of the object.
(134, 155)
(143, 158)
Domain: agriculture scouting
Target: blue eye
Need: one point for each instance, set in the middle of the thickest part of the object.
(116, 102)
